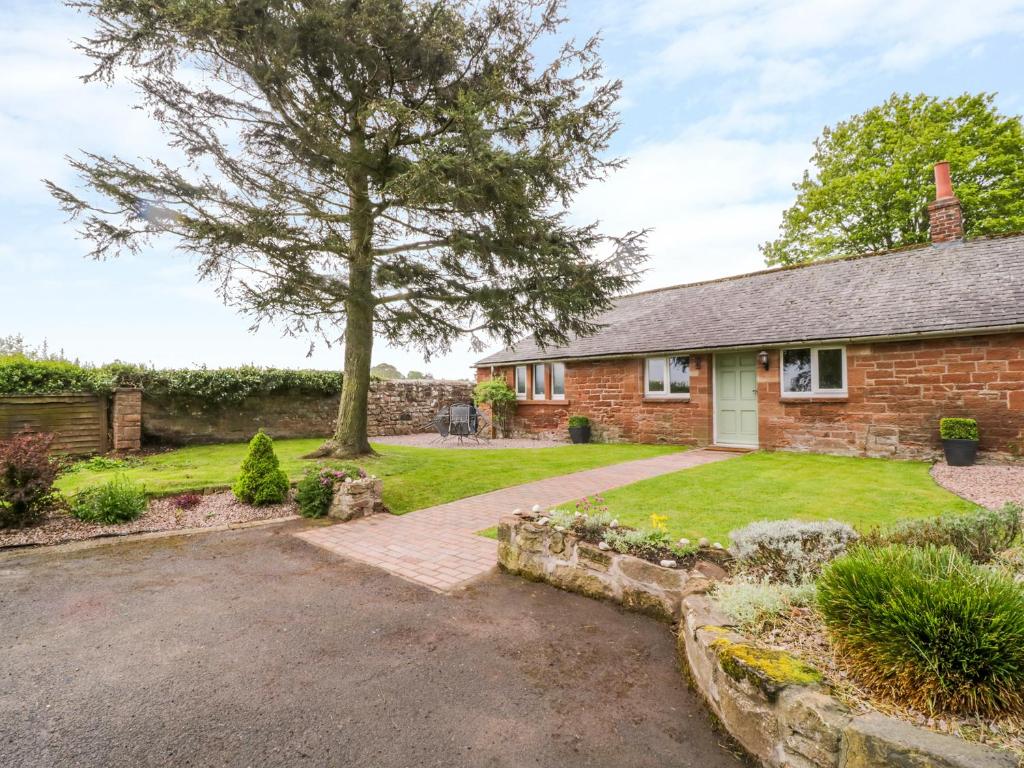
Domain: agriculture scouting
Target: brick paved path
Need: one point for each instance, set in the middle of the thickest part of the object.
(438, 546)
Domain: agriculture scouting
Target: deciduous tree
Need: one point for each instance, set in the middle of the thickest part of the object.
(871, 180)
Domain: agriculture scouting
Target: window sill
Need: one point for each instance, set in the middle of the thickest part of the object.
(543, 402)
(665, 399)
(816, 399)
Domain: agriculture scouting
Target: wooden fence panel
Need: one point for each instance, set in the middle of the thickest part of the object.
(78, 421)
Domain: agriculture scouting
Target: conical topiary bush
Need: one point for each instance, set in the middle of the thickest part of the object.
(262, 481)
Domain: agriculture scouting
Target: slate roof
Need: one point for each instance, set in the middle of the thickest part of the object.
(952, 287)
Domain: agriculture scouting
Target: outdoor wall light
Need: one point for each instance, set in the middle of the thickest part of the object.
(762, 358)
(696, 362)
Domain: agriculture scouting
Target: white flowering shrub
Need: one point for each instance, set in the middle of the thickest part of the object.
(751, 604)
(789, 551)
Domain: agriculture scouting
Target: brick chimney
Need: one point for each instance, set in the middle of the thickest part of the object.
(946, 217)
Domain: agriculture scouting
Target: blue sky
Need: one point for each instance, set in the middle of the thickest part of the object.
(721, 103)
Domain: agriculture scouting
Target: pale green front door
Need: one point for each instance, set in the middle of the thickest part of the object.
(736, 399)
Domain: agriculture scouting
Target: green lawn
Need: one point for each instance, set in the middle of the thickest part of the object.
(714, 499)
(413, 477)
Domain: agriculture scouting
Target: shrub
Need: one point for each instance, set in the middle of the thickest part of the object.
(316, 490)
(502, 400)
(788, 550)
(186, 501)
(588, 524)
(958, 429)
(979, 535)
(752, 604)
(27, 473)
(926, 627)
(579, 421)
(261, 481)
(648, 543)
(119, 500)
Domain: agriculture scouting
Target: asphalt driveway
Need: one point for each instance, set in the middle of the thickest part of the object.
(252, 648)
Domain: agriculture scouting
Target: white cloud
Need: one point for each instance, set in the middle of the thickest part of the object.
(788, 50)
(709, 200)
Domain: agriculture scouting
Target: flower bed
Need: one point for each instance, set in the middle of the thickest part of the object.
(774, 704)
(212, 510)
(913, 636)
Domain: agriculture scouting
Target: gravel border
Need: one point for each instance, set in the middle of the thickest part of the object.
(990, 485)
(215, 509)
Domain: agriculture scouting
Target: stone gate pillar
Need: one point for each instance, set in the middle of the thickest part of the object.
(127, 419)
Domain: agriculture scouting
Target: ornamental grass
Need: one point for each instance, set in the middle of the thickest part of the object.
(926, 627)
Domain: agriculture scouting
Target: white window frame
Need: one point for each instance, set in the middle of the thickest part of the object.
(551, 373)
(666, 395)
(816, 391)
(543, 389)
(526, 382)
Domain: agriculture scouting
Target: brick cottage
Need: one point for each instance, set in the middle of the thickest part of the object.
(856, 356)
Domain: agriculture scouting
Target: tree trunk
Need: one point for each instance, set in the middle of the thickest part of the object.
(350, 434)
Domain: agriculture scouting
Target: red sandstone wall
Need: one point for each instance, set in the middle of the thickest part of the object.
(897, 392)
(610, 393)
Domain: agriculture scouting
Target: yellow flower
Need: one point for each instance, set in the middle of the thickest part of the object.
(658, 522)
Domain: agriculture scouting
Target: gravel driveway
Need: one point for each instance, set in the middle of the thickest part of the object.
(251, 648)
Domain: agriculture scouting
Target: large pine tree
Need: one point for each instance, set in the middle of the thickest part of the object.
(392, 168)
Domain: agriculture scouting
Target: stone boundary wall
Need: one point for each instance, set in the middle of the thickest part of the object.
(770, 703)
(541, 553)
(396, 407)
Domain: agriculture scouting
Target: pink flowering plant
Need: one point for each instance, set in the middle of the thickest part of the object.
(316, 489)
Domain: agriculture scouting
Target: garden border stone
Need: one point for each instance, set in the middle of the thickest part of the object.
(543, 553)
(772, 705)
(356, 498)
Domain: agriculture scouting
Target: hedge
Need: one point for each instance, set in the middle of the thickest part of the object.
(226, 384)
(21, 376)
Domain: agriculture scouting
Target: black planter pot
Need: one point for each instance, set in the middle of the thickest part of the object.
(580, 434)
(960, 453)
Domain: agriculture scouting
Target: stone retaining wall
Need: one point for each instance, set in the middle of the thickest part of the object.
(769, 701)
(772, 705)
(541, 553)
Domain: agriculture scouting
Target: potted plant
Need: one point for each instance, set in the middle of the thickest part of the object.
(579, 429)
(959, 441)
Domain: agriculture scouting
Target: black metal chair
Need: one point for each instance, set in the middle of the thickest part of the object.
(460, 420)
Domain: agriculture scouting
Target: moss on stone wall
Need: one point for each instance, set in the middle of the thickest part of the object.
(768, 670)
